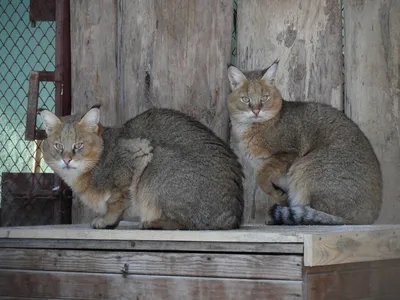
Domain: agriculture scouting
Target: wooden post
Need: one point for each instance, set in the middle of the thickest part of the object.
(306, 36)
(372, 57)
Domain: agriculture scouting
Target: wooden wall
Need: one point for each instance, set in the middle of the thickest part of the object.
(372, 61)
(306, 36)
(132, 55)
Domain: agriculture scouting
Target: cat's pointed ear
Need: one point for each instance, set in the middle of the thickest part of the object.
(236, 77)
(91, 119)
(50, 121)
(269, 75)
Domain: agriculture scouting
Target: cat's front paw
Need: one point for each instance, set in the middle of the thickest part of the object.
(100, 223)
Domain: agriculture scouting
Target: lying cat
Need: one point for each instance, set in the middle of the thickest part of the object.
(309, 157)
(172, 170)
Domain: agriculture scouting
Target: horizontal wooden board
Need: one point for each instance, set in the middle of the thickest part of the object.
(153, 263)
(247, 234)
(348, 247)
(261, 236)
(280, 248)
(61, 285)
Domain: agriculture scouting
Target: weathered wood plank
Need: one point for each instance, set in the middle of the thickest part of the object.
(349, 247)
(367, 281)
(93, 68)
(287, 267)
(238, 236)
(280, 248)
(110, 286)
(94, 60)
(372, 57)
(247, 234)
(306, 36)
(175, 54)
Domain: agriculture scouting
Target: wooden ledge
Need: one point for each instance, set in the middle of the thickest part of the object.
(323, 245)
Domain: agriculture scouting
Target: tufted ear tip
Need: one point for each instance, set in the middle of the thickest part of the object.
(269, 74)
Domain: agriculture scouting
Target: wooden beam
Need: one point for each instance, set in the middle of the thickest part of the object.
(288, 267)
(247, 236)
(216, 247)
(348, 247)
(71, 285)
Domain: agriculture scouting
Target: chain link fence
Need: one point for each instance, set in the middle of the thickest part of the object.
(26, 45)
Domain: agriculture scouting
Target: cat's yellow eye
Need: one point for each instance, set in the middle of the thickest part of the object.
(264, 99)
(78, 146)
(245, 100)
(59, 146)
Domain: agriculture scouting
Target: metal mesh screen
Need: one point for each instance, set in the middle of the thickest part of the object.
(25, 46)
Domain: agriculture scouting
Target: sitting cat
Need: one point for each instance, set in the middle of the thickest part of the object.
(309, 157)
(171, 169)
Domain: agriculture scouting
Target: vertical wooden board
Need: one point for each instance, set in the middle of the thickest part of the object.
(93, 68)
(305, 35)
(372, 57)
(175, 54)
(94, 57)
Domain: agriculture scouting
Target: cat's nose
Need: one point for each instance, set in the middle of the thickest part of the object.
(256, 111)
(67, 160)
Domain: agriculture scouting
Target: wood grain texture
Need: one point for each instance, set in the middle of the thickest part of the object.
(348, 247)
(94, 57)
(366, 281)
(306, 36)
(175, 55)
(288, 267)
(110, 286)
(246, 234)
(216, 247)
(372, 53)
(238, 236)
(93, 68)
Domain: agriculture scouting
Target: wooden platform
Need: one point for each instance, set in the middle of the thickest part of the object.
(267, 262)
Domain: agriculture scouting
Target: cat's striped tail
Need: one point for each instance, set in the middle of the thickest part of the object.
(302, 215)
